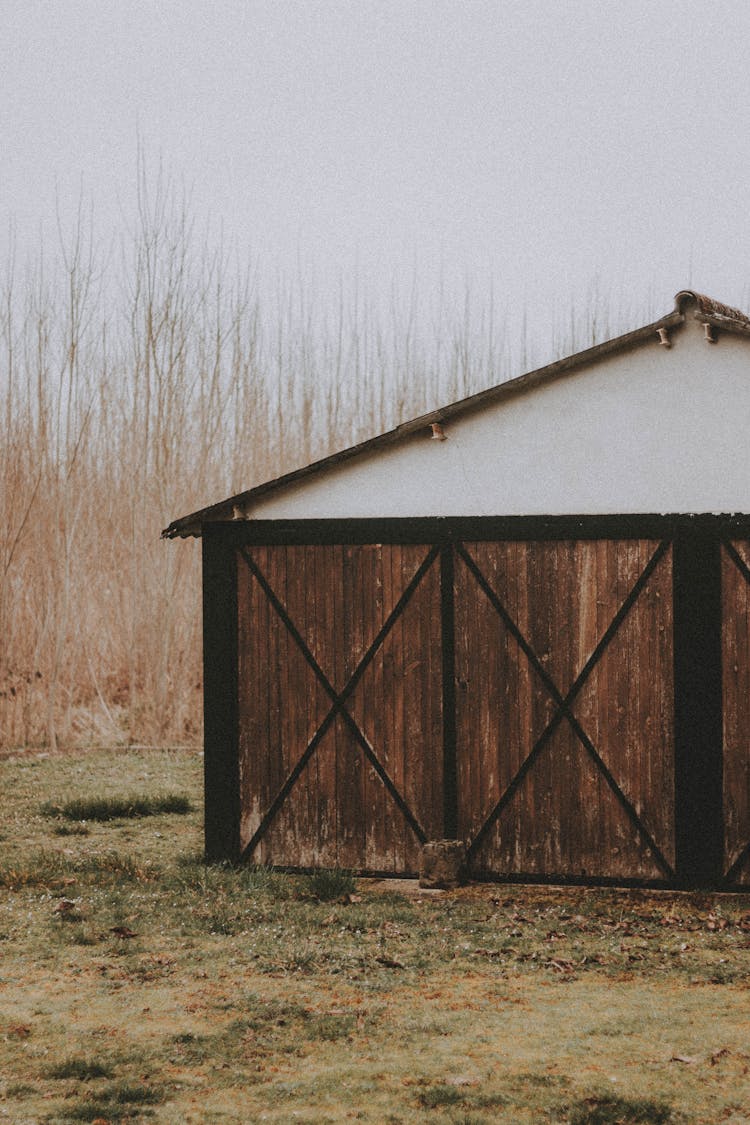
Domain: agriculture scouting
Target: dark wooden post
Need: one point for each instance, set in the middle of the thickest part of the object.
(448, 630)
(220, 716)
(698, 703)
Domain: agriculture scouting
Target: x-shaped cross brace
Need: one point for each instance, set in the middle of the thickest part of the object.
(564, 703)
(338, 699)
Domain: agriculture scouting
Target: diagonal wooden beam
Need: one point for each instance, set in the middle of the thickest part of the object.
(564, 703)
(338, 699)
(737, 559)
(738, 864)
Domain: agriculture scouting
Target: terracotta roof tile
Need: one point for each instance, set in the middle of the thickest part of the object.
(708, 307)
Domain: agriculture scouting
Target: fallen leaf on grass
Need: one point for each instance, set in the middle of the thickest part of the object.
(689, 1059)
(388, 963)
(560, 966)
(123, 932)
(64, 906)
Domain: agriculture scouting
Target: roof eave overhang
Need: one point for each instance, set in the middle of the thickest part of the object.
(705, 311)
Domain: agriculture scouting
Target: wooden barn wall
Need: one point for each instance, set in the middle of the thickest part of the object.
(580, 790)
(328, 690)
(735, 567)
(571, 696)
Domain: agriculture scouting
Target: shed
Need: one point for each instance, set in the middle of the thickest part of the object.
(522, 621)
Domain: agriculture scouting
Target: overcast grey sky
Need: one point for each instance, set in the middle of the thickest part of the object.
(537, 143)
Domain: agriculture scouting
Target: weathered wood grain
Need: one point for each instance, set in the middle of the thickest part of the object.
(627, 704)
(337, 809)
(527, 617)
(736, 711)
(564, 817)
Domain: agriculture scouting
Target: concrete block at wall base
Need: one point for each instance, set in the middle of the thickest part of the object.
(442, 864)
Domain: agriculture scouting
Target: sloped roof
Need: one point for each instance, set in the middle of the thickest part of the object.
(706, 310)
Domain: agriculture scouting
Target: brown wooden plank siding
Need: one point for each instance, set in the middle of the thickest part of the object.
(564, 817)
(627, 704)
(397, 705)
(272, 670)
(581, 666)
(501, 707)
(736, 711)
(338, 811)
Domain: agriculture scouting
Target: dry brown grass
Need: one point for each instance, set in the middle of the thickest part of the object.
(141, 382)
(138, 984)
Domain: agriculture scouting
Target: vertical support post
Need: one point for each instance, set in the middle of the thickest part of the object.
(220, 693)
(448, 633)
(698, 704)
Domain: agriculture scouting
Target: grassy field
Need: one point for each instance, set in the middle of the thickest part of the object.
(138, 984)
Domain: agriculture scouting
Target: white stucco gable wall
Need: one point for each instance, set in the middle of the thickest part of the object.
(652, 429)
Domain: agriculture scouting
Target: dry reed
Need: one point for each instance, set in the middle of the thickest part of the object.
(138, 385)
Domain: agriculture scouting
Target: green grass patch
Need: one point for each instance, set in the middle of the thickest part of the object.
(124, 1093)
(71, 830)
(19, 1090)
(81, 1069)
(118, 1102)
(610, 1110)
(49, 868)
(329, 884)
(442, 1095)
(330, 1028)
(118, 808)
